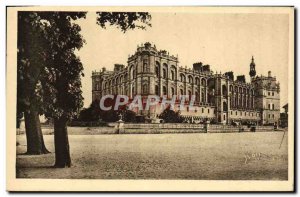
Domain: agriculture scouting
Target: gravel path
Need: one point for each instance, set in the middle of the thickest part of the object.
(214, 156)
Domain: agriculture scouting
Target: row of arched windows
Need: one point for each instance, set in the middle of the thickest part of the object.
(244, 90)
(181, 92)
(165, 71)
(239, 101)
(190, 78)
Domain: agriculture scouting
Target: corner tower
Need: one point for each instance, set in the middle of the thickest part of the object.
(252, 72)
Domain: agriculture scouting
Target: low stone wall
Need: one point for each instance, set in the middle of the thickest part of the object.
(188, 128)
(264, 128)
(87, 124)
(224, 129)
(242, 128)
(161, 131)
(130, 128)
(164, 126)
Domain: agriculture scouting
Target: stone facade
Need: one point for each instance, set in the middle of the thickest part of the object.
(219, 97)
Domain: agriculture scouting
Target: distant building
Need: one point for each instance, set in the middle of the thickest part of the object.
(219, 97)
(284, 118)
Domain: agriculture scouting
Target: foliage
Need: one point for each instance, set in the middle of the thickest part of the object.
(124, 20)
(170, 116)
(61, 79)
(48, 70)
(110, 116)
(128, 116)
(30, 60)
(94, 113)
(99, 123)
(91, 113)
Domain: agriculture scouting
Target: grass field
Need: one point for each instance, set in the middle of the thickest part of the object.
(207, 156)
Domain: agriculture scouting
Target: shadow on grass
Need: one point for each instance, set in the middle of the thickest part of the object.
(30, 154)
(40, 167)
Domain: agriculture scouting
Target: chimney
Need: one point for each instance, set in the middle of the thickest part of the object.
(118, 67)
(269, 74)
(147, 45)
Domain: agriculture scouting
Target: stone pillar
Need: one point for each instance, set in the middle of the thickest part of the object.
(119, 128)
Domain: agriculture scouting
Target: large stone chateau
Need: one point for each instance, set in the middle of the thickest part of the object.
(220, 98)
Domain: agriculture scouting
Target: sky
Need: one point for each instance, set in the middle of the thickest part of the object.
(226, 41)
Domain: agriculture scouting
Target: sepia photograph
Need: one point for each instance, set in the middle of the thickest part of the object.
(150, 98)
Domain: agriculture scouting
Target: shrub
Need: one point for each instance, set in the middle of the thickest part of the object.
(170, 116)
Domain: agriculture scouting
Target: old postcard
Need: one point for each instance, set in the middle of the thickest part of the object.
(150, 98)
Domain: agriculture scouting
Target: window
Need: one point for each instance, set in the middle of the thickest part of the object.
(181, 92)
(182, 78)
(190, 94)
(156, 90)
(157, 71)
(268, 93)
(164, 73)
(172, 91)
(207, 110)
(241, 113)
(145, 67)
(224, 90)
(197, 81)
(236, 113)
(224, 117)
(231, 112)
(172, 75)
(272, 93)
(273, 116)
(145, 89)
(202, 110)
(202, 97)
(269, 106)
(164, 90)
(269, 115)
(190, 79)
(197, 96)
(225, 107)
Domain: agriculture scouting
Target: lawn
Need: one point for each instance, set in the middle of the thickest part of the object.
(203, 156)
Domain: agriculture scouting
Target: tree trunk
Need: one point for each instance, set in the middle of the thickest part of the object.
(61, 141)
(34, 135)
